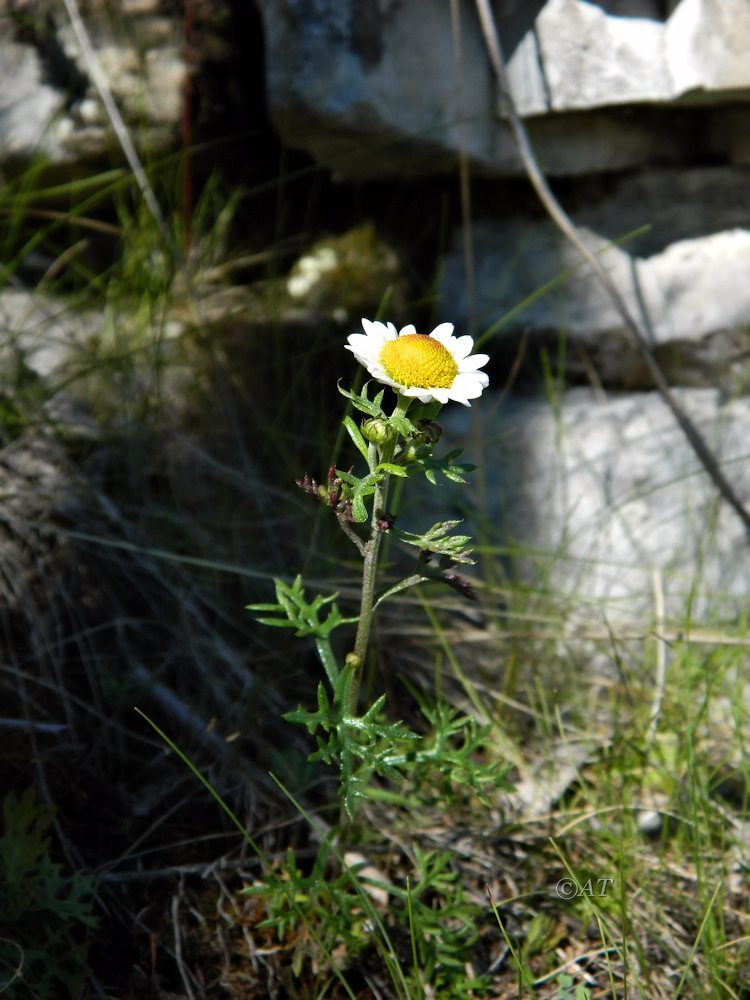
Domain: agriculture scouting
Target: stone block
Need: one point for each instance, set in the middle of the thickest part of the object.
(592, 493)
(381, 89)
(685, 278)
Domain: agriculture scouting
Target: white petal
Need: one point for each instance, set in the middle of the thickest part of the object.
(378, 332)
(423, 395)
(359, 342)
(443, 333)
(381, 376)
(407, 331)
(461, 347)
(471, 364)
(469, 385)
(441, 395)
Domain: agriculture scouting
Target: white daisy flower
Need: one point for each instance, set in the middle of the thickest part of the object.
(435, 366)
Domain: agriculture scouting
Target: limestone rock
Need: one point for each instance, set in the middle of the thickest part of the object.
(355, 83)
(685, 277)
(706, 47)
(578, 56)
(587, 55)
(42, 333)
(595, 493)
(376, 88)
(48, 103)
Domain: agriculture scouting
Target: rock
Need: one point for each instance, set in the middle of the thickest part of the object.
(377, 89)
(684, 277)
(35, 484)
(348, 276)
(43, 334)
(48, 103)
(593, 494)
(355, 83)
(590, 55)
(578, 56)
(706, 48)
(46, 353)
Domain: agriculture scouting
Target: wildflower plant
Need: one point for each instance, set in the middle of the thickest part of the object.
(424, 372)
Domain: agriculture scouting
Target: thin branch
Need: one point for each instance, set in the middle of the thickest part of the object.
(27, 724)
(184, 974)
(567, 227)
(351, 534)
(113, 113)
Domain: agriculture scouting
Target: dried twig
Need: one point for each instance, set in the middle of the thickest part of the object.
(116, 119)
(563, 221)
(661, 657)
(182, 968)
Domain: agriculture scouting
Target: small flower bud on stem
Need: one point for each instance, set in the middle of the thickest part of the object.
(377, 431)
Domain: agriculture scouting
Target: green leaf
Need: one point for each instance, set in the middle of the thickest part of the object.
(356, 435)
(445, 465)
(402, 425)
(293, 610)
(359, 746)
(426, 411)
(454, 758)
(358, 489)
(261, 607)
(40, 905)
(373, 407)
(324, 705)
(358, 482)
(436, 540)
(276, 622)
(395, 470)
(359, 511)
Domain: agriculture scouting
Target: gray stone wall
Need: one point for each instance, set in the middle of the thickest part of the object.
(598, 483)
(376, 88)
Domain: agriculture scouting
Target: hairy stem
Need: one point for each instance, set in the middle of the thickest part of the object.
(377, 454)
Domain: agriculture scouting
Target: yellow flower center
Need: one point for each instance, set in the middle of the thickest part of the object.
(416, 360)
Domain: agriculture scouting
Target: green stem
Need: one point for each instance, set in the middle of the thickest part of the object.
(372, 550)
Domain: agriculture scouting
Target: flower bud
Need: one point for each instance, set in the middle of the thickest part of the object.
(377, 431)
